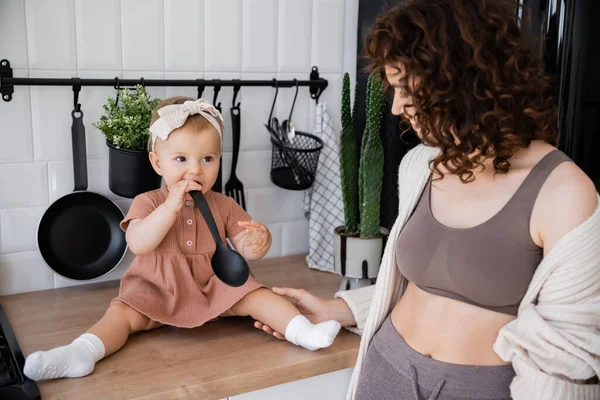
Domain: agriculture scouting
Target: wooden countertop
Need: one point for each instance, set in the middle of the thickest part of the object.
(219, 359)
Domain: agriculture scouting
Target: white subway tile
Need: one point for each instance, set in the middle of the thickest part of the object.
(15, 135)
(19, 229)
(124, 204)
(190, 91)
(350, 42)
(13, 35)
(98, 27)
(51, 34)
(143, 39)
(259, 41)
(223, 43)
(115, 274)
(24, 272)
(253, 168)
(23, 185)
(295, 31)
(328, 35)
(51, 119)
(275, 250)
(60, 178)
(184, 35)
(255, 107)
(92, 99)
(274, 204)
(294, 238)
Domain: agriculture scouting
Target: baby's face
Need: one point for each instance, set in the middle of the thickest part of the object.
(189, 154)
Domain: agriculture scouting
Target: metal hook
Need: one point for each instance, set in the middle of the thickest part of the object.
(201, 85)
(294, 102)
(118, 89)
(217, 84)
(76, 82)
(276, 84)
(236, 88)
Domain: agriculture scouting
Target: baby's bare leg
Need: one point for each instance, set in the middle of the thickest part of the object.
(80, 357)
(266, 307)
(120, 321)
(275, 311)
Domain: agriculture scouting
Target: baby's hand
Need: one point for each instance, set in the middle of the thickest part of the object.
(260, 236)
(177, 192)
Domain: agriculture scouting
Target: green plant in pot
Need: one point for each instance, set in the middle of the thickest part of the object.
(126, 126)
(359, 243)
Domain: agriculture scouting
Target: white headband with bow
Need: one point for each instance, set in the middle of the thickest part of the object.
(174, 116)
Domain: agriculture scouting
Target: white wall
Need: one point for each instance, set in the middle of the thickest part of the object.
(175, 39)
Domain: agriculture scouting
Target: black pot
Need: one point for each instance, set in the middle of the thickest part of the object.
(130, 172)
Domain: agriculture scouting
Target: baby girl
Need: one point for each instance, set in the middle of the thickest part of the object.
(171, 281)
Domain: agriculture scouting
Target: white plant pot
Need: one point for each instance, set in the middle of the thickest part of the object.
(357, 259)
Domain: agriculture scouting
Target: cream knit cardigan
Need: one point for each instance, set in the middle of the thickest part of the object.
(553, 345)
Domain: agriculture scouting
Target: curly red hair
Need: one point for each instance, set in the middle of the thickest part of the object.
(473, 78)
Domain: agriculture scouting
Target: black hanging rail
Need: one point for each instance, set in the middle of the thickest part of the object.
(7, 82)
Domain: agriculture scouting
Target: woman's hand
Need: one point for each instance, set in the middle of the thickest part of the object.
(177, 192)
(312, 307)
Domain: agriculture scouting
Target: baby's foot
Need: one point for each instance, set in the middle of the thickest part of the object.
(71, 361)
(302, 332)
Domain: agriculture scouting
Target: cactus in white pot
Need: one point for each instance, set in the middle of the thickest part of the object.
(359, 243)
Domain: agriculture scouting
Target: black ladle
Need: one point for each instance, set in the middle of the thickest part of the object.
(229, 265)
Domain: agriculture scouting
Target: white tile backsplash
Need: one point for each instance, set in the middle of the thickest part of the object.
(184, 36)
(51, 34)
(252, 170)
(98, 51)
(23, 185)
(24, 272)
(51, 119)
(60, 178)
(15, 134)
(156, 39)
(294, 237)
(19, 228)
(328, 35)
(13, 35)
(294, 49)
(259, 36)
(274, 204)
(142, 24)
(223, 44)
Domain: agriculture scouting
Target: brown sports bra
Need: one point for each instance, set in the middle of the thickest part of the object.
(489, 265)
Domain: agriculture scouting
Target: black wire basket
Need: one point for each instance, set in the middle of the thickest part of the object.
(294, 163)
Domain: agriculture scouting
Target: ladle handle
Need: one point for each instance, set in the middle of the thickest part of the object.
(202, 205)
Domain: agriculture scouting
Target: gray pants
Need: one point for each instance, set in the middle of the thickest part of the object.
(393, 370)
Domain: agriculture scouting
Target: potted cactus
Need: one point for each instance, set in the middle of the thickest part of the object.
(359, 242)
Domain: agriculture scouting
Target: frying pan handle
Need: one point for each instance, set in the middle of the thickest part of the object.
(79, 151)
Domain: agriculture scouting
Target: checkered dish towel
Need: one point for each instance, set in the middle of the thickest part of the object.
(323, 204)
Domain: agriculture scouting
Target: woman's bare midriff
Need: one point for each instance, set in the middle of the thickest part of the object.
(448, 330)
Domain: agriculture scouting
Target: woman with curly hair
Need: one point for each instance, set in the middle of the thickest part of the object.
(489, 286)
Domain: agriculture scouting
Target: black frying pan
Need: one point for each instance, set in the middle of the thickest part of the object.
(79, 234)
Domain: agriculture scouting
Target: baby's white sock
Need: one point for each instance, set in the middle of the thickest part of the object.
(302, 332)
(72, 361)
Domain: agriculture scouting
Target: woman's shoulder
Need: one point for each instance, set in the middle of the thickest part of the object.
(567, 199)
